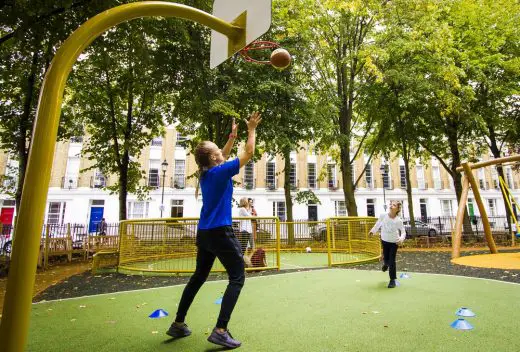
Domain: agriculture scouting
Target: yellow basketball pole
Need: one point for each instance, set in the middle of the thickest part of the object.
(17, 304)
(485, 221)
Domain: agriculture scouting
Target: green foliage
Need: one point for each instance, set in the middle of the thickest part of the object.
(306, 197)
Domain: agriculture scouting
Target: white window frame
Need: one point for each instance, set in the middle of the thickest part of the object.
(179, 177)
(131, 209)
(340, 208)
(279, 210)
(59, 216)
(311, 176)
(332, 181)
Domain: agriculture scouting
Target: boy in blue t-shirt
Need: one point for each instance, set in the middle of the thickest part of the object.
(215, 236)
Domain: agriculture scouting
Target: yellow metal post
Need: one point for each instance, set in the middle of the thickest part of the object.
(278, 243)
(17, 304)
(329, 254)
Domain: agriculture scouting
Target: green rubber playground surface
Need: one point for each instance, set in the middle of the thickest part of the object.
(319, 310)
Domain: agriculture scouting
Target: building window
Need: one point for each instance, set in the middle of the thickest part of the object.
(292, 176)
(157, 142)
(421, 184)
(446, 209)
(180, 140)
(311, 175)
(481, 179)
(56, 213)
(153, 174)
(249, 175)
(177, 208)
(437, 184)
(402, 176)
(371, 209)
(279, 210)
(99, 180)
(137, 210)
(76, 139)
(331, 176)
(180, 174)
(270, 175)
(368, 177)
(71, 173)
(424, 209)
(353, 173)
(387, 180)
(494, 175)
(509, 177)
(492, 207)
(340, 209)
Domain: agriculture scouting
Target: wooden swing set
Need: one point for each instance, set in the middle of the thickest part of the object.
(469, 180)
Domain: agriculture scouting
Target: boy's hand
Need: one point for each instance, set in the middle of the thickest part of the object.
(254, 120)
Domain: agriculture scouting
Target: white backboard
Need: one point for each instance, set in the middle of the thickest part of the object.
(258, 21)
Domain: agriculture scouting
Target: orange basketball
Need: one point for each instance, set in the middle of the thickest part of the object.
(280, 58)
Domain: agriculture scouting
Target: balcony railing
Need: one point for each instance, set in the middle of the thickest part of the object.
(98, 182)
(271, 185)
(249, 184)
(177, 182)
(69, 182)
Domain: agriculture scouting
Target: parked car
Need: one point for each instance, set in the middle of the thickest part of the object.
(422, 229)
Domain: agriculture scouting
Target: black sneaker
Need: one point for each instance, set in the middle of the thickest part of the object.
(391, 284)
(384, 268)
(178, 330)
(223, 339)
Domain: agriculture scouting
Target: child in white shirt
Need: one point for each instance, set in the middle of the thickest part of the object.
(392, 233)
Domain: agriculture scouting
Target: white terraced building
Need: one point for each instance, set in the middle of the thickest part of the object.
(79, 197)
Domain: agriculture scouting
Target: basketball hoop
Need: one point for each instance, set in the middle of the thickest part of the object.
(258, 45)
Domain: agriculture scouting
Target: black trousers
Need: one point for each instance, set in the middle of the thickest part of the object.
(389, 254)
(218, 243)
(244, 237)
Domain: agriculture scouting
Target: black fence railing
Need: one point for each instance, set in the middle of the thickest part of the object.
(443, 225)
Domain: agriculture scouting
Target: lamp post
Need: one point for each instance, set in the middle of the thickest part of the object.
(384, 170)
(164, 167)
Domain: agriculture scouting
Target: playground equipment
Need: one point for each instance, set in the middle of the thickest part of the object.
(245, 21)
(168, 245)
(469, 180)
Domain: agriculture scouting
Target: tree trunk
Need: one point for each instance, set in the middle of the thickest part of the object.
(24, 128)
(348, 185)
(457, 176)
(288, 198)
(406, 158)
(496, 154)
(123, 186)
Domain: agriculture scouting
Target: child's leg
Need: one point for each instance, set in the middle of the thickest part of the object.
(392, 252)
(205, 261)
(386, 252)
(228, 252)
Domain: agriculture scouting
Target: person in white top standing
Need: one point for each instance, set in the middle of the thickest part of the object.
(392, 233)
(245, 226)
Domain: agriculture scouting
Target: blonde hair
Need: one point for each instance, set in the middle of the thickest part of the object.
(244, 203)
(202, 155)
(399, 205)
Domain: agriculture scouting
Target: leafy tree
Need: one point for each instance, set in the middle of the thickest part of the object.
(30, 34)
(123, 97)
(487, 32)
(338, 35)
